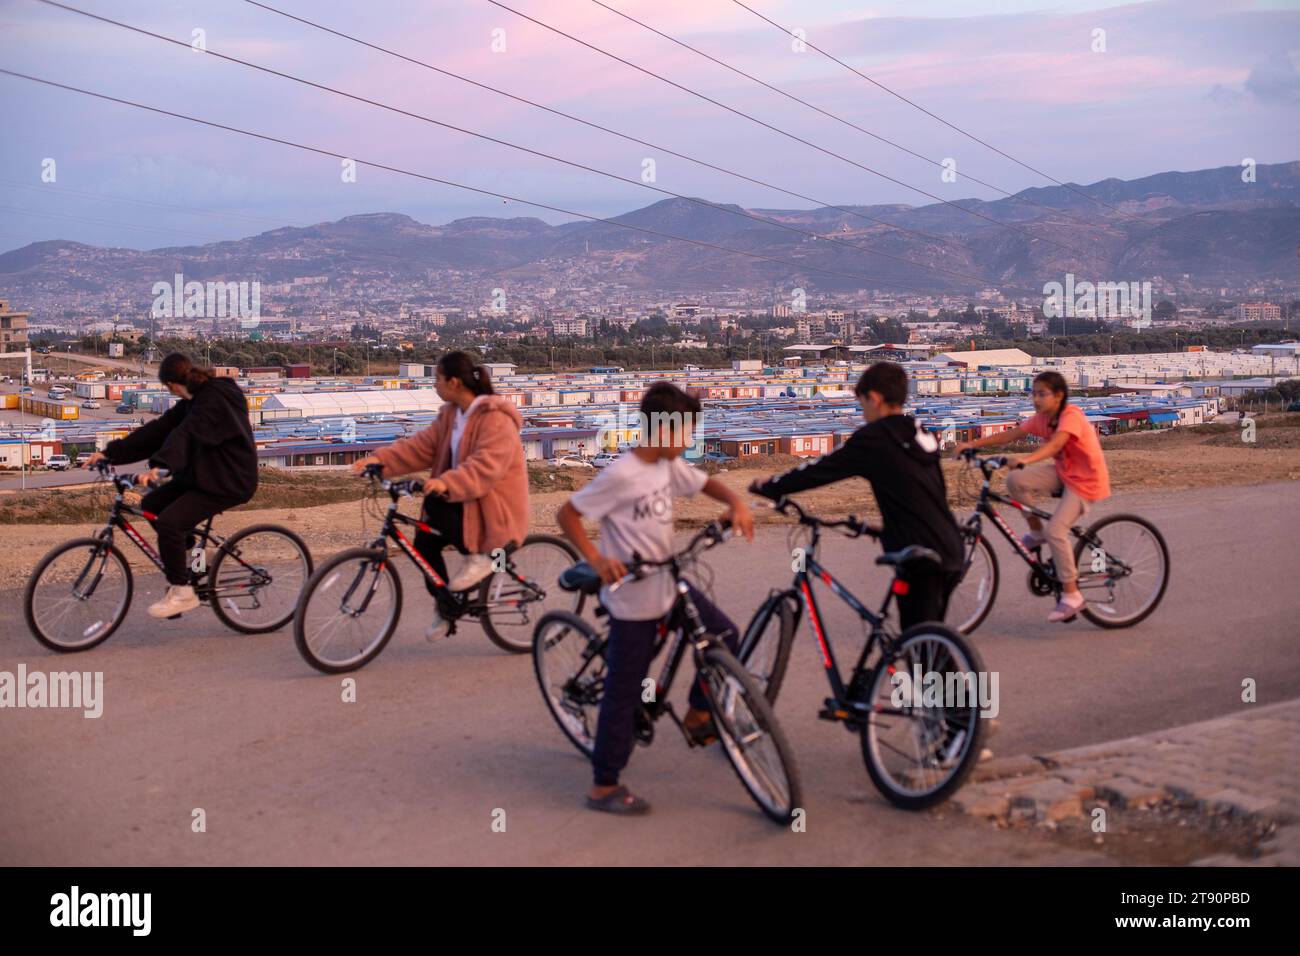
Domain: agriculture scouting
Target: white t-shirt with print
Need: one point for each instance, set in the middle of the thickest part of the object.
(633, 501)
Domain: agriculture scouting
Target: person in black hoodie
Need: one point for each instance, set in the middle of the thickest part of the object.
(206, 442)
(901, 461)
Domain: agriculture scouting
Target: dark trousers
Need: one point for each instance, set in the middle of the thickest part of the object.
(178, 510)
(447, 519)
(927, 596)
(627, 661)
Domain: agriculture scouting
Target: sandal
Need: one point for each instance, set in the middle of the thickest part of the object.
(621, 800)
(701, 734)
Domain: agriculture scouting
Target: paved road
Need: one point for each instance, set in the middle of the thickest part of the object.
(442, 736)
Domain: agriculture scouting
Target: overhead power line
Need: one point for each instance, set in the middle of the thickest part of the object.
(776, 129)
(933, 116)
(525, 149)
(335, 154)
(827, 113)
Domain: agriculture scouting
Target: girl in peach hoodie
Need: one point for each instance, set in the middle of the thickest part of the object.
(476, 495)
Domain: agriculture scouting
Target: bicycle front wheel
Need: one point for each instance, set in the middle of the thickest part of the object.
(920, 740)
(1123, 570)
(750, 734)
(78, 595)
(765, 645)
(514, 600)
(972, 599)
(569, 660)
(348, 610)
(257, 578)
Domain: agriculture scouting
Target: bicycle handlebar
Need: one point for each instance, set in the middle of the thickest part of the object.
(407, 488)
(987, 465)
(711, 535)
(852, 526)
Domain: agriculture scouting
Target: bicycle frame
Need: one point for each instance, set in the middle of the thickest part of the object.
(843, 705)
(1043, 568)
(458, 603)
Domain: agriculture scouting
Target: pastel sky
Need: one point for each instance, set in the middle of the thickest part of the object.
(1183, 84)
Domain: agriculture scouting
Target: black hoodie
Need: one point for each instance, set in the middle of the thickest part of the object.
(901, 460)
(206, 442)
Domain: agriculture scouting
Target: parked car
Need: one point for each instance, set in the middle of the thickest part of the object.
(717, 457)
(82, 458)
(603, 459)
(124, 409)
(58, 463)
(90, 403)
(1294, 406)
(569, 461)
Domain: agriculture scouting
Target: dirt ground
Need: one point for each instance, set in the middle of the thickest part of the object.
(1181, 458)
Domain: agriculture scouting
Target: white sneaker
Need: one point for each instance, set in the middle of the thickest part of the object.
(437, 629)
(178, 599)
(476, 568)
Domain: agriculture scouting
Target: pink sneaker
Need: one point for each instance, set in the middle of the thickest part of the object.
(1066, 608)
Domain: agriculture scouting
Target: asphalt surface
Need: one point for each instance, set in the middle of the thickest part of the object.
(443, 737)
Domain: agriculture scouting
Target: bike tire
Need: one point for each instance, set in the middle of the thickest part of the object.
(982, 607)
(321, 575)
(777, 798)
(1110, 622)
(573, 602)
(775, 619)
(577, 725)
(33, 582)
(880, 775)
(226, 550)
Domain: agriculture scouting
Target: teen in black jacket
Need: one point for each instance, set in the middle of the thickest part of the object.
(901, 461)
(206, 442)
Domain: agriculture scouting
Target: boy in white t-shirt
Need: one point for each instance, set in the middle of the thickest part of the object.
(633, 500)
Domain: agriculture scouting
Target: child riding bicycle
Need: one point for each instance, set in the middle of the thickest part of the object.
(633, 501)
(1079, 474)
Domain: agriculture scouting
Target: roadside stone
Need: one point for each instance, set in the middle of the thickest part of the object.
(982, 804)
(1129, 793)
(1241, 804)
(1054, 800)
(1001, 767)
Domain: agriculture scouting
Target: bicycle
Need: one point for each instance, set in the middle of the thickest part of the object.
(1131, 566)
(351, 605)
(251, 581)
(569, 660)
(916, 752)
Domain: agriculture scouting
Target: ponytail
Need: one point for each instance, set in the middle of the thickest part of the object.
(1056, 382)
(177, 369)
(464, 369)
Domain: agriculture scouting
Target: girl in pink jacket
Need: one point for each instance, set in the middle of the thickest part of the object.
(476, 495)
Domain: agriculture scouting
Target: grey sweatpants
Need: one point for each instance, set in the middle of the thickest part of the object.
(1029, 483)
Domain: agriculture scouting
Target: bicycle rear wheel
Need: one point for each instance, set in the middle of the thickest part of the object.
(750, 734)
(78, 594)
(972, 599)
(257, 578)
(514, 600)
(569, 661)
(765, 645)
(917, 750)
(1124, 573)
(348, 610)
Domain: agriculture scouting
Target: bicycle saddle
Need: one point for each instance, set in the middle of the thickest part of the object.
(911, 556)
(580, 577)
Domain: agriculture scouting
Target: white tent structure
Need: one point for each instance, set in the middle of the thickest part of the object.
(356, 402)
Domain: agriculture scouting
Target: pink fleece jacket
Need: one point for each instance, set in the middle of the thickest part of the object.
(491, 480)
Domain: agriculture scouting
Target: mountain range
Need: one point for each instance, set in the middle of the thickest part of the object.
(1195, 229)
